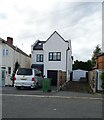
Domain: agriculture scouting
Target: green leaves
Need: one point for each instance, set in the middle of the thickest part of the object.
(82, 65)
(102, 78)
(15, 69)
(96, 52)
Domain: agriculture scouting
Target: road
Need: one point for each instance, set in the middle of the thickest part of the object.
(34, 104)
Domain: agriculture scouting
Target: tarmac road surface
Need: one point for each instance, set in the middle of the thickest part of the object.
(36, 104)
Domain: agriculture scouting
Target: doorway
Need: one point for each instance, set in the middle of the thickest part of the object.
(52, 74)
(3, 76)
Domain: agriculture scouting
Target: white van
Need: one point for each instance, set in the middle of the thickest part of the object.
(28, 77)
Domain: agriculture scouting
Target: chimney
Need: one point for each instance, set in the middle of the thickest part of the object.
(10, 40)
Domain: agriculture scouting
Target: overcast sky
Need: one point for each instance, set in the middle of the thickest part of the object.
(29, 20)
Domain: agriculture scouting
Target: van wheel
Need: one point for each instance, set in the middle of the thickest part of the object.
(37, 86)
(18, 88)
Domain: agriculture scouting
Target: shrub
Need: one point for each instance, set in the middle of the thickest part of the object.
(14, 71)
(102, 78)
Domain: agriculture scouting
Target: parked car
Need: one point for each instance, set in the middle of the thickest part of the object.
(28, 77)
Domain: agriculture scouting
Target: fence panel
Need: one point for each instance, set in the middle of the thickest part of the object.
(61, 79)
(95, 80)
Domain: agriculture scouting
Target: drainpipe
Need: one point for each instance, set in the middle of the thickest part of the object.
(66, 64)
(14, 60)
(67, 61)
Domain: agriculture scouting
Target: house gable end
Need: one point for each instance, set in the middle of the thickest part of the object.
(55, 32)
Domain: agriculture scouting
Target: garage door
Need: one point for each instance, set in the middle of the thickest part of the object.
(52, 74)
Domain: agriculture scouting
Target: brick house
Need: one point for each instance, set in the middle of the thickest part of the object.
(100, 61)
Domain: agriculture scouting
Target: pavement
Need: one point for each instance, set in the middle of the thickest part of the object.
(69, 95)
(53, 94)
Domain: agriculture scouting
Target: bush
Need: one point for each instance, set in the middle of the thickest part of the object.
(102, 78)
(14, 71)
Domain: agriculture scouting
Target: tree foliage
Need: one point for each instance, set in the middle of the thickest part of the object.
(96, 52)
(102, 78)
(90, 63)
(82, 65)
(14, 72)
(16, 66)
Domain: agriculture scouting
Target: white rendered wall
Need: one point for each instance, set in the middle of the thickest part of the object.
(55, 44)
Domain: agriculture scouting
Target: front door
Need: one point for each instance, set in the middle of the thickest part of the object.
(53, 75)
(3, 76)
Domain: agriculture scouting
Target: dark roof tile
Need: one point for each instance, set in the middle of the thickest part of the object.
(39, 45)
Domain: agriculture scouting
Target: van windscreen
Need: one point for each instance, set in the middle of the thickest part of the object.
(24, 71)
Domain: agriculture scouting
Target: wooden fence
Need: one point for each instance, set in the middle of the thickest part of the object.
(61, 80)
(95, 80)
(92, 76)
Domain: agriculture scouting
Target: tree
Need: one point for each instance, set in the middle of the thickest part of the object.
(82, 65)
(102, 78)
(14, 72)
(89, 65)
(96, 52)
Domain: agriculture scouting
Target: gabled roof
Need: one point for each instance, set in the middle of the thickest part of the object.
(38, 45)
(14, 47)
(58, 35)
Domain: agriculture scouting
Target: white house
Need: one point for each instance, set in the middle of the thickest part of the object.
(9, 54)
(52, 55)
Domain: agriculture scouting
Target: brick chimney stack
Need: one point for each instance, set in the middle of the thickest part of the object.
(10, 40)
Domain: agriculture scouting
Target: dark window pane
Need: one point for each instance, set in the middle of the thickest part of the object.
(58, 56)
(39, 58)
(54, 56)
(24, 71)
(50, 56)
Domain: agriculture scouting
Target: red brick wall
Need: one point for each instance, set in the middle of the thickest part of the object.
(100, 62)
(10, 40)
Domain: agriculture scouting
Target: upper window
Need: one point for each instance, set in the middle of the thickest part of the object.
(54, 56)
(39, 58)
(5, 52)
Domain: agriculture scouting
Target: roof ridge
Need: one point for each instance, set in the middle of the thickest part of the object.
(57, 34)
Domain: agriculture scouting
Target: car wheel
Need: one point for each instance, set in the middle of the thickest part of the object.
(18, 88)
(37, 86)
